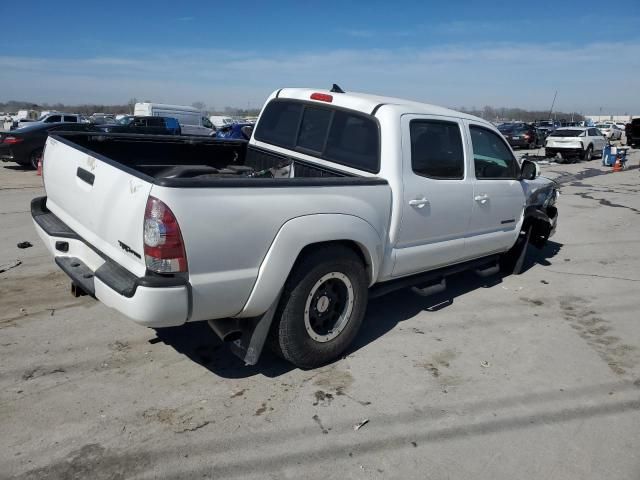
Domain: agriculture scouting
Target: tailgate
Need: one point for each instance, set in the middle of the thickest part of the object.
(101, 202)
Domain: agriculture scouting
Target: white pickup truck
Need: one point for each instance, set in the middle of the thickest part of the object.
(337, 197)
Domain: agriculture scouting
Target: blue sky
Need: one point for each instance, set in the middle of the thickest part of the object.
(452, 53)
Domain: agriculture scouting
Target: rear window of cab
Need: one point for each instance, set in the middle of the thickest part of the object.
(342, 136)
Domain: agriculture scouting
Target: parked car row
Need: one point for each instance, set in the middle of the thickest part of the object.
(25, 145)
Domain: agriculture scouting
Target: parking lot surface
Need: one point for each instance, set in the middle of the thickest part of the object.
(522, 377)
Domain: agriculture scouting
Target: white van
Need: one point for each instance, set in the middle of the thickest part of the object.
(220, 121)
(192, 121)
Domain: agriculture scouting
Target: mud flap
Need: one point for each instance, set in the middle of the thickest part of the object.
(254, 334)
(517, 269)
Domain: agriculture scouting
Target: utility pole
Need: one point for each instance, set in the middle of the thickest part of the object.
(552, 104)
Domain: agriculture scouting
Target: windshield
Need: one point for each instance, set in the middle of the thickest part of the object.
(567, 133)
(545, 124)
(602, 125)
(124, 121)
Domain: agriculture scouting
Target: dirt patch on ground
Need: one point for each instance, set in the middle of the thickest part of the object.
(27, 295)
(596, 330)
(183, 419)
(91, 461)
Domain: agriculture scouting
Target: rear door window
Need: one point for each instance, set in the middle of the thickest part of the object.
(436, 149)
(341, 136)
(71, 118)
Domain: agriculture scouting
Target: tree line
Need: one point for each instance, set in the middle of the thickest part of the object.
(488, 113)
(519, 114)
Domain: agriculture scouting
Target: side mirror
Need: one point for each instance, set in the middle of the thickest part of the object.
(529, 170)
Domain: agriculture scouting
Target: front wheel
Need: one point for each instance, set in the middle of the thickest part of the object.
(322, 307)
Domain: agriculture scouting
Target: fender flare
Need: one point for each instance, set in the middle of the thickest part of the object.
(301, 232)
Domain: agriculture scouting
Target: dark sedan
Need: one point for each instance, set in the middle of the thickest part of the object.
(24, 145)
(141, 125)
(521, 135)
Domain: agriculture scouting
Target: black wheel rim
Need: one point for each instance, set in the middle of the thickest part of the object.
(328, 307)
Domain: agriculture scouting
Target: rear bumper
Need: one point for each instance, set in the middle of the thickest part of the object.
(570, 152)
(520, 142)
(152, 300)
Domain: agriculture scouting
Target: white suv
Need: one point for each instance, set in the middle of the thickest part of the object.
(610, 131)
(575, 142)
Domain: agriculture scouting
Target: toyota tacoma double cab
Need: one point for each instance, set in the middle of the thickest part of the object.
(282, 239)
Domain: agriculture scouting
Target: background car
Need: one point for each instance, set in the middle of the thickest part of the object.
(57, 117)
(575, 142)
(610, 130)
(141, 125)
(545, 127)
(23, 122)
(235, 131)
(24, 146)
(521, 135)
(633, 134)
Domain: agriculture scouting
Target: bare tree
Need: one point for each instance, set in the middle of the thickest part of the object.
(199, 105)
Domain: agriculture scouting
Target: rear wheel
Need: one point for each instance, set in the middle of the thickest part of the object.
(322, 307)
(34, 158)
(588, 154)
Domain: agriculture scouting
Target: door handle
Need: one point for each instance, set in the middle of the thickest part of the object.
(484, 198)
(419, 202)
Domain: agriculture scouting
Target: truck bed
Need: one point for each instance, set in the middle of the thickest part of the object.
(188, 161)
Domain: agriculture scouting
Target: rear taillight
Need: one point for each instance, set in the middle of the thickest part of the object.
(11, 140)
(163, 245)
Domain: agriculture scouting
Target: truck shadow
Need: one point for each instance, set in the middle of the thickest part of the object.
(19, 168)
(384, 313)
(198, 342)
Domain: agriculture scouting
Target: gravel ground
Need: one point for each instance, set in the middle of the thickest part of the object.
(528, 377)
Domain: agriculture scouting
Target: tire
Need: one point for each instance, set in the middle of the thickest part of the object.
(322, 307)
(588, 155)
(34, 157)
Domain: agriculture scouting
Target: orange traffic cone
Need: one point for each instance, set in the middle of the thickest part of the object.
(617, 167)
(40, 167)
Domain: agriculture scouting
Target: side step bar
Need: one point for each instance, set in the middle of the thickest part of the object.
(428, 283)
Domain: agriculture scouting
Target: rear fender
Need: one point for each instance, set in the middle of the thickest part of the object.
(299, 233)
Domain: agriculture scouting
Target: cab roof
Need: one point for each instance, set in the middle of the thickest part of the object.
(366, 103)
